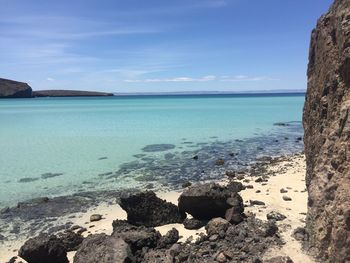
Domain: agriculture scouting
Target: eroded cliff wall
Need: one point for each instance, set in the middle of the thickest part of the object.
(327, 134)
(14, 89)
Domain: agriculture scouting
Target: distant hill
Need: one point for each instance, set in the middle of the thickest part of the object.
(14, 89)
(69, 93)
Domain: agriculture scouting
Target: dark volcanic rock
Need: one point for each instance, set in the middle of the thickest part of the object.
(275, 216)
(149, 210)
(43, 249)
(193, 223)
(327, 134)
(103, 249)
(70, 240)
(279, 259)
(14, 89)
(137, 237)
(69, 93)
(205, 201)
(169, 238)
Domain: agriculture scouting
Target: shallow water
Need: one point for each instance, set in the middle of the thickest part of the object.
(58, 146)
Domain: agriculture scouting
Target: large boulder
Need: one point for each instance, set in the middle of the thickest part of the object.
(327, 135)
(14, 89)
(43, 249)
(207, 201)
(101, 248)
(148, 210)
(70, 240)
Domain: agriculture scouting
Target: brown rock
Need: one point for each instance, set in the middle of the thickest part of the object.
(14, 89)
(327, 134)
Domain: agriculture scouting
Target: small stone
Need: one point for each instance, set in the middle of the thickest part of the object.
(220, 162)
(95, 217)
(195, 157)
(275, 216)
(221, 258)
(283, 191)
(256, 202)
(286, 198)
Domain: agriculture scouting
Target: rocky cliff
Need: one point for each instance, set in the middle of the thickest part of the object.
(14, 89)
(327, 134)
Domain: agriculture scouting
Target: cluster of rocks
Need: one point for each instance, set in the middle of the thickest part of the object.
(230, 235)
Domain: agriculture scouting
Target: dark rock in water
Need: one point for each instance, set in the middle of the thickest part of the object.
(14, 89)
(70, 240)
(28, 179)
(102, 158)
(43, 249)
(275, 216)
(281, 124)
(149, 210)
(50, 175)
(217, 225)
(138, 237)
(95, 217)
(168, 239)
(230, 174)
(279, 259)
(2, 238)
(220, 162)
(196, 200)
(195, 157)
(193, 223)
(327, 127)
(103, 249)
(158, 147)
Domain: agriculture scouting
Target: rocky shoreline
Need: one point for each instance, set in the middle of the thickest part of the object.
(252, 222)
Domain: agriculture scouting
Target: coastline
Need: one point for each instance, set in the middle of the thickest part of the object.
(279, 170)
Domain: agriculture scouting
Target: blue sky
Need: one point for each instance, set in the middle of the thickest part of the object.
(158, 45)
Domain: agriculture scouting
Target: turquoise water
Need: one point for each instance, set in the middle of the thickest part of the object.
(78, 139)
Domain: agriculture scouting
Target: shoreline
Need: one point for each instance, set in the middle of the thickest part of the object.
(277, 169)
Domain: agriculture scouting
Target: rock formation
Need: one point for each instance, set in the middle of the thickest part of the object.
(327, 135)
(14, 89)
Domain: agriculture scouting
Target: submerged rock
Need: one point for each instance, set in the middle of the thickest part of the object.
(148, 210)
(43, 249)
(158, 147)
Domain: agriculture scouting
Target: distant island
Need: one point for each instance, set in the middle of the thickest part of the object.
(15, 89)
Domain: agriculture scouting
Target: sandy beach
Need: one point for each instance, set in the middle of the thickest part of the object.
(288, 174)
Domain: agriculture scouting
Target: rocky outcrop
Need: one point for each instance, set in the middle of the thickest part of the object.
(207, 201)
(327, 135)
(146, 209)
(14, 89)
(69, 93)
(43, 249)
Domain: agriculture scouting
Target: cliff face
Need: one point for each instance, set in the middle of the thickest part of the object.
(327, 134)
(14, 89)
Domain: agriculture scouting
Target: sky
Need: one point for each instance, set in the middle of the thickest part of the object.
(158, 45)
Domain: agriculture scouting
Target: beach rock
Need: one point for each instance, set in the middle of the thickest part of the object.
(193, 223)
(286, 198)
(168, 239)
(256, 202)
(157, 256)
(234, 216)
(138, 237)
(43, 249)
(271, 228)
(70, 240)
(300, 234)
(196, 200)
(14, 89)
(103, 249)
(279, 259)
(147, 209)
(275, 216)
(326, 122)
(283, 191)
(95, 217)
(217, 225)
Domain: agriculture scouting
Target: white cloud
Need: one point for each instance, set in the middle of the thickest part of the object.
(175, 79)
(50, 79)
(242, 78)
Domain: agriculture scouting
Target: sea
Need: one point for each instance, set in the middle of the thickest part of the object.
(61, 146)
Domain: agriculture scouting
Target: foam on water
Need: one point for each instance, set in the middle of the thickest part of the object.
(56, 146)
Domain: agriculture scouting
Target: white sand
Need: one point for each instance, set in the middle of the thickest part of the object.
(293, 177)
